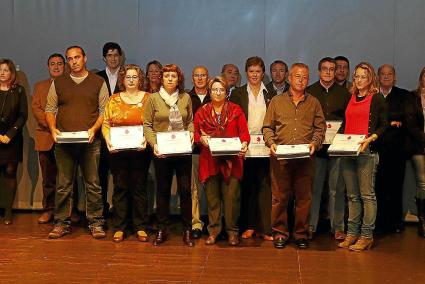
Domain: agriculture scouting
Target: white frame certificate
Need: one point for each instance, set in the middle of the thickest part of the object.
(224, 146)
(174, 143)
(126, 137)
(298, 151)
(332, 127)
(345, 145)
(73, 137)
(257, 147)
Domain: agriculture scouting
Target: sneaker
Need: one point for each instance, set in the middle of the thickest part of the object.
(59, 232)
(97, 232)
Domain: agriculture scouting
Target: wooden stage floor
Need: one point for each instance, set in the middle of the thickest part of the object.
(27, 256)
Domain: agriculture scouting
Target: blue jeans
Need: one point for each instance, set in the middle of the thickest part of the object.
(68, 157)
(418, 162)
(330, 166)
(359, 176)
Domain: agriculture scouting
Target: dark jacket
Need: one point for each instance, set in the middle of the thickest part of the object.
(271, 89)
(239, 96)
(414, 125)
(196, 104)
(105, 77)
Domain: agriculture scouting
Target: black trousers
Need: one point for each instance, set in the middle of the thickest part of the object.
(389, 190)
(256, 196)
(164, 170)
(130, 198)
(103, 171)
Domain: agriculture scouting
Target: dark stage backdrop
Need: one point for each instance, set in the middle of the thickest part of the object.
(211, 33)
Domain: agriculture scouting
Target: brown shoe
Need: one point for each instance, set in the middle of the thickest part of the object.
(362, 244)
(118, 237)
(97, 232)
(187, 238)
(233, 240)
(340, 235)
(267, 237)
(45, 217)
(59, 232)
(349, 240)
(142, 236)
(211, 240)
(248, 234)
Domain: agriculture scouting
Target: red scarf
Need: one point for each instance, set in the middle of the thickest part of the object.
(357, 116)
(212, 126)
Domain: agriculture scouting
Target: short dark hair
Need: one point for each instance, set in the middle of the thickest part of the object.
(56, 55)
(76, 46)
(323, 60)
(342, 58)
(255, 60)
(111, 46)
(279, 62)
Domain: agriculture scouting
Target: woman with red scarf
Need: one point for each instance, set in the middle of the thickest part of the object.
(221, 175)
(366, 114)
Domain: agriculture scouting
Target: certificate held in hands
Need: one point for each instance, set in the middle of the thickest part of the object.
(298, 151)
(332, 127)
(345, 145)
(225, 146)
(174, 143)
(126, 137)
(257, 147)
(73, 137)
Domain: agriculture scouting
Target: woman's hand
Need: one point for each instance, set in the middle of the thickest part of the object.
(143, 145)
(191, 137)
(156, 152)
(244, 148)
(4, 139)
(365, 142)
(273, 148)
(109, 146)
(204, 140)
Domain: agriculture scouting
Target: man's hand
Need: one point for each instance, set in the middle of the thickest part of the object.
(312, 148)
(396, 124)
(92, 133)
(4, 139)
(273, 148)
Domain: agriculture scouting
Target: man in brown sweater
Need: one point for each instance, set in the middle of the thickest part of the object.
(295, 117)
(76, 102)
(43, 140)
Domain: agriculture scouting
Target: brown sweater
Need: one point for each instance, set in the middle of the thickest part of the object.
(78, 104)
(288, 124)
(157, 113)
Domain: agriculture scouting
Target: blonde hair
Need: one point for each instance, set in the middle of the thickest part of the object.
(373, 86)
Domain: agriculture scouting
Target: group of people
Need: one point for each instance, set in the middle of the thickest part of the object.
(256, 196)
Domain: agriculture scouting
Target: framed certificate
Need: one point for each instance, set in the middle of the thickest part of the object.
(73, 137)
(298, 151)
(126, 137)
(332, 127)
(174, 143)
(345, 145)
(225, 146)
(257, 147)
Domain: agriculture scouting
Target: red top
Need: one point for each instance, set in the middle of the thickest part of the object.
(230, 123)
(357, 116)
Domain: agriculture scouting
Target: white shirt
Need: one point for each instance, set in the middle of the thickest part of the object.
(112, 78)
(256, 110)
(201, 97)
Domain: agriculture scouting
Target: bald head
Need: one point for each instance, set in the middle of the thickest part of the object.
(386, 74)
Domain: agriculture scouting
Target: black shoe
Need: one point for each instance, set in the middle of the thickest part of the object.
(302, 243)
(159, 238)
(196, 233)
(280, 242)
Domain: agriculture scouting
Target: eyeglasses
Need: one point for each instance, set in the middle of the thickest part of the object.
(199, 75)
(134, 77)
(218, 90)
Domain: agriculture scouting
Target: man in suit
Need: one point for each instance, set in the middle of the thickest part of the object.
(43, 139)
(199, 96)
(278, 72)
(342, 72)
(112, 56)
(392, 157)
(254, 99)
(232, 75)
